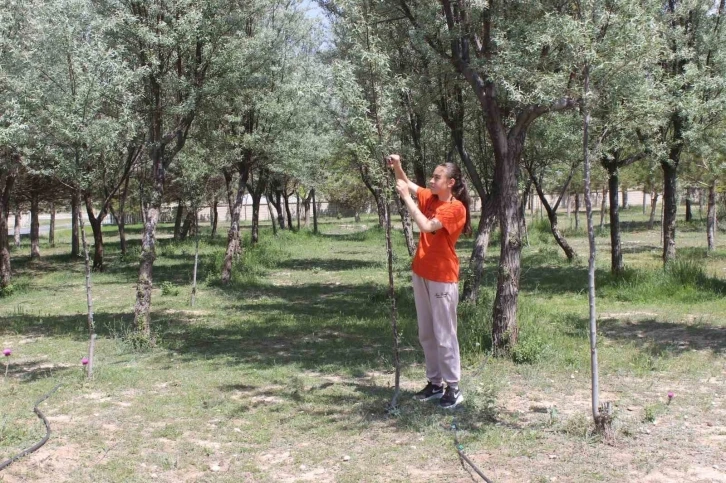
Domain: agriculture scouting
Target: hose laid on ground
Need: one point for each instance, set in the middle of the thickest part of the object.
(460, 449)
(40, 443)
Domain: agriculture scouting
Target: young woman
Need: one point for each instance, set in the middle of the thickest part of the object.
(442, 215)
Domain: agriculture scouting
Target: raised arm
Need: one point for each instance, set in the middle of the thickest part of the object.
(394, 161)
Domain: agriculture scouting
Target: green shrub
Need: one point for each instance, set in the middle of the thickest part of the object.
(168, 289)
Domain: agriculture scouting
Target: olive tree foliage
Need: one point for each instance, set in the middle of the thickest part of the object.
(181, 51)
(80, 96)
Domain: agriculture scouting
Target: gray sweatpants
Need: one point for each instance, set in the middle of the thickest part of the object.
(436, 312)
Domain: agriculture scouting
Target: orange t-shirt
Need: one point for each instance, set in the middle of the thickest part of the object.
(435, 257)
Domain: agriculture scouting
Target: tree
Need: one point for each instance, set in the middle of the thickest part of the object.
(177, 50)
(466, 36)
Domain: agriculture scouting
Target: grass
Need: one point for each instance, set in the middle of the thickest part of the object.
(285, 371)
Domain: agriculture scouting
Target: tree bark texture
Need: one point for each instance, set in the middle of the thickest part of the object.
(616, 252)
(233, 235)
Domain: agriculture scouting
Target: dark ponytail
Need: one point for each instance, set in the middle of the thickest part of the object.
(460, 192)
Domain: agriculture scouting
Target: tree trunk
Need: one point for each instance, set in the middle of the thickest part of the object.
(306, 205)
(288, 213)
(6, 186)
(121, 216)
(297, 209)
(315, 212)
(34, 227)
(233, 235)
(626, 205)
(653, 206)
(178, 219)
(51, 228)
(505, 331)
(523, 210)
(700, 203)
(214, 216)
(689, 211)
(272, 216)
(16, 229)
(89, 297)
(256, 197)
(645, 202)
(553, 219)
(381, 209)
(603, 205)
(75, 213)
(276, 200)
(577, 211)
(616, 253)
(670, 210)
(96, 222)
(187, 226)
(711, 217)
(488, 220)
(407, 227)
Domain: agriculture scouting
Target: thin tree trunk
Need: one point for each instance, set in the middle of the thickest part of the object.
(381, 209)
(616, 253)
(315, 212)
(653, 206)
(523, 211)
(16, 228)
(670, 210)
(553, 218)
(178, 219)
(286, 203)
(603, 206)
(689, 211)
(700, 203)
(233, 235)
(75, 213)
(594, 369)
(392, 297)
(711, 216)
(407, 226)
(577, 211)
(297, 209)
(272, 215)
(645, 203)
(34, 227)
(96, 222)
(194, 275)
(214, 216)
(187, 226)
(626, 205)
(89, 296)
(51, 228)
(121, 216)
(488, 220)
(256, 198)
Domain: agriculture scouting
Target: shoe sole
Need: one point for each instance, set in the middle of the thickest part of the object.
(458, 401)
(435, 396)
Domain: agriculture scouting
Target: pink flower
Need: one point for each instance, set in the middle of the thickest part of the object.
(7, 352)
(84, 361)
(671, 395)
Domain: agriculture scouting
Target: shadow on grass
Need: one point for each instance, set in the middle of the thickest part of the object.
(31, 371)
(666, 338)
(353, 404)
(328, 265)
